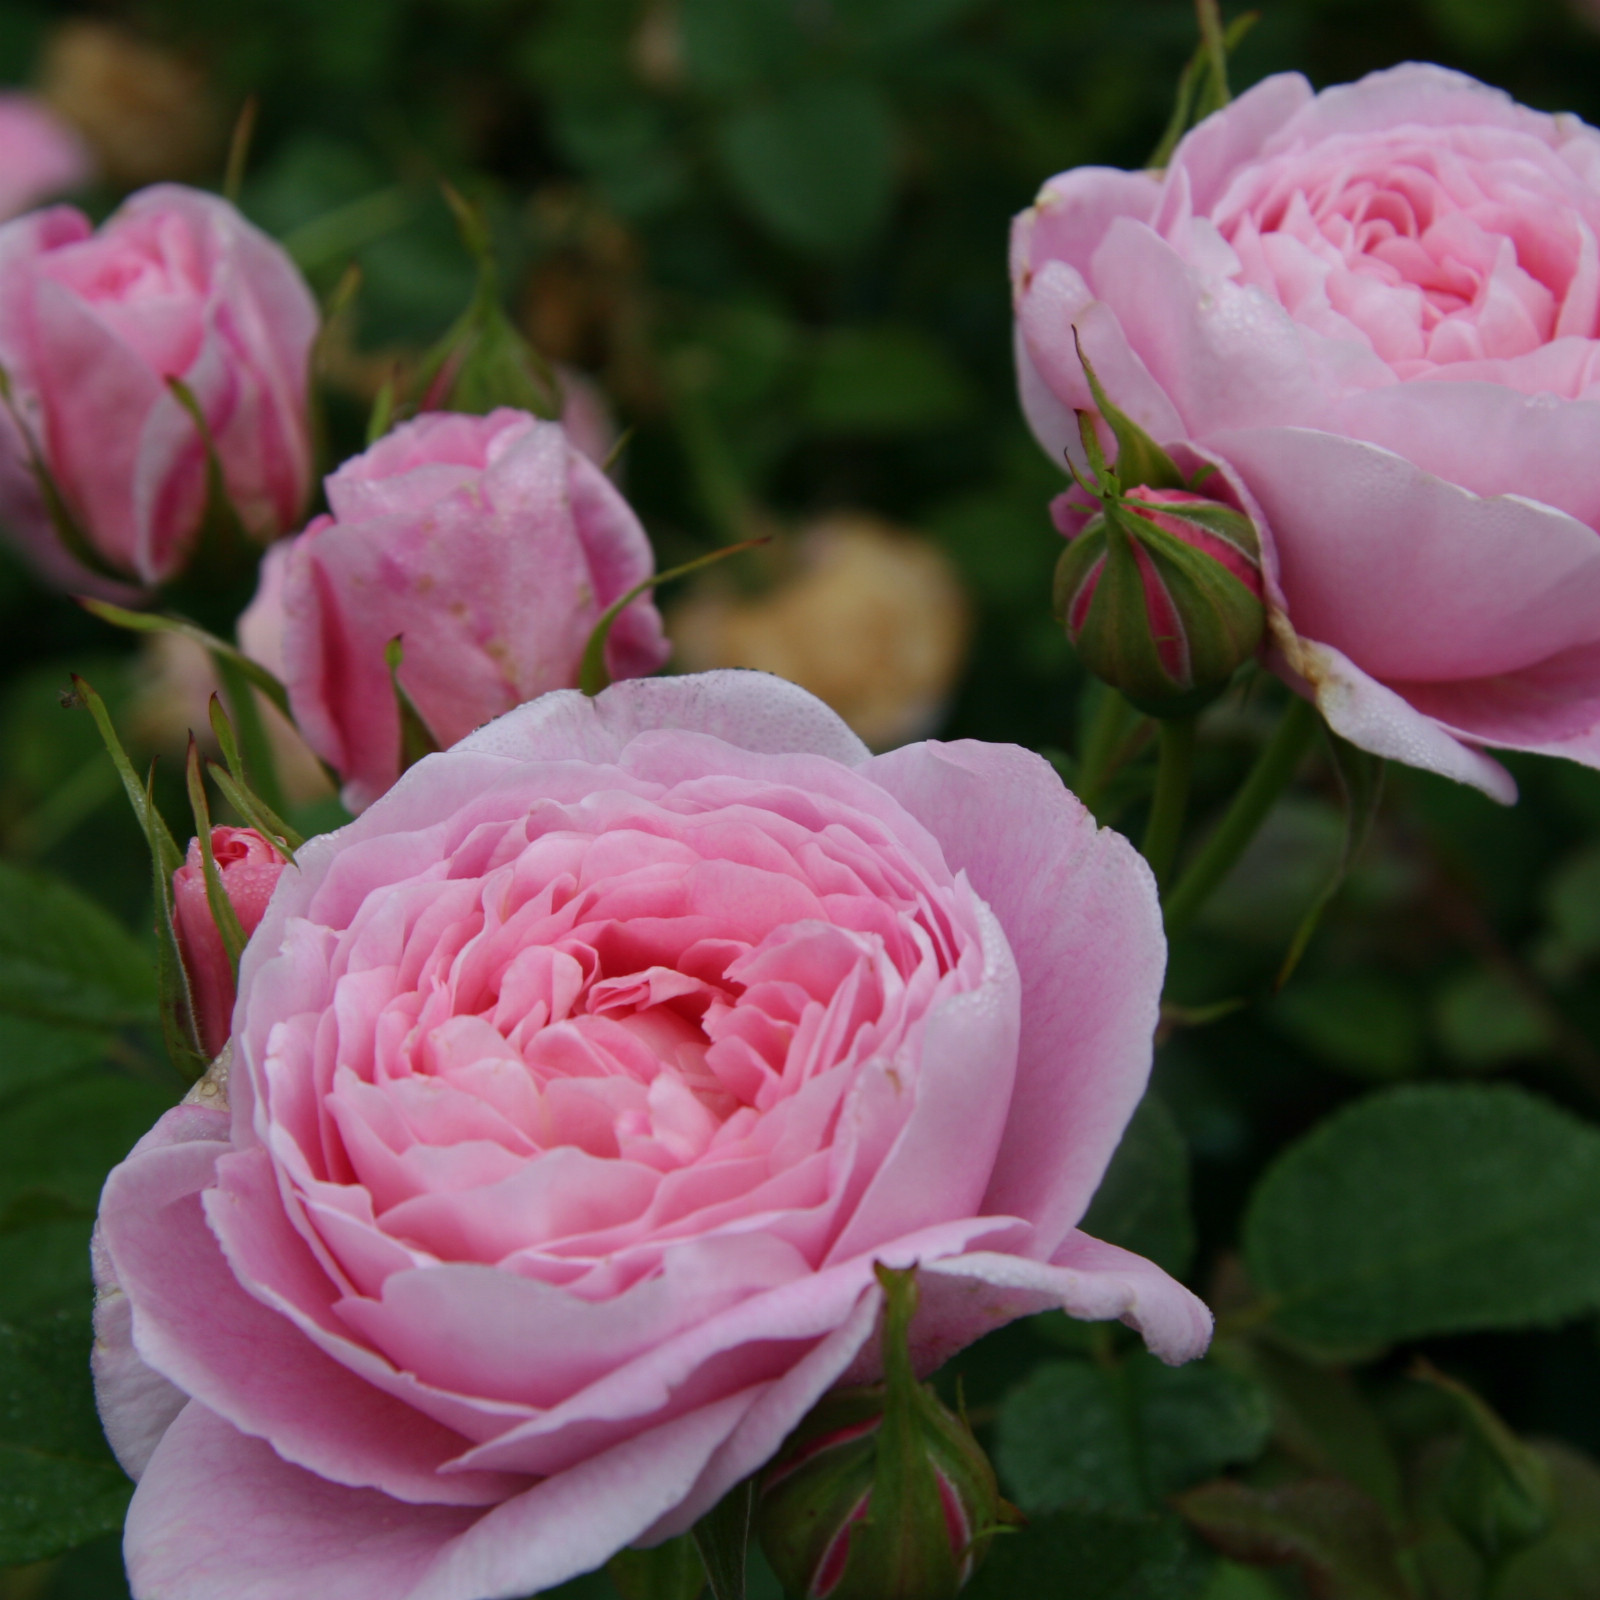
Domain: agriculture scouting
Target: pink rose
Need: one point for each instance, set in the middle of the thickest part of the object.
(575, 1089)
(1377, 310)
(92, 325)
(249, 866)
(490, 546)
(40, 154)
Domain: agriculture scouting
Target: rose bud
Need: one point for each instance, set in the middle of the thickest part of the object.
(882, 1493)
(489, 546)
(1160, 593)
(41, 155)
(248, 865)
(103, 463)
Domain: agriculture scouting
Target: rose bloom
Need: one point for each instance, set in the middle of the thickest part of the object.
(1377, 309)
(249, 866)
(93, 324)
(41, 155)
(575, 1089)
(489, 546)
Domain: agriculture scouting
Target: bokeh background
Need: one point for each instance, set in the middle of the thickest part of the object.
(772, 233)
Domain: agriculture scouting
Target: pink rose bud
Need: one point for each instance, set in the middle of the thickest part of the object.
(1160, 593)
(41, 155)
(249, 866)
(489, 546)
(882, 1493)
(95, 326)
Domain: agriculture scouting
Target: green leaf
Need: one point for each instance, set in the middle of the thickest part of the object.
(34, 1052)
(1429, 1210)
(671, 1571)
(1080, 1436)
(1484, 1021)
(64, 960)
(1142, 1203)
(1322, 1420)
(1565, 1564)
(1365, 1023)
(62, 1139)
(813, 163)
(883, 380)
(59, 1484)
(1336, 1535)
(734, 45)
(1498, 1492)
(1077, 1555)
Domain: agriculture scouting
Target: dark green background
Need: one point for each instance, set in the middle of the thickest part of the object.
(783, 253)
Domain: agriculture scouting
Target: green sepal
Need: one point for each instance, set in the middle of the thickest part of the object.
(416, 737)
(670, 1571)
(165, 622)
(234, 782)
(722, 1540)
(1140, 460)
(178, 1030)
(483, 359)
(865, 1468)
(223, 554)
(593, 675)
(222, 912)
(1498, 1491)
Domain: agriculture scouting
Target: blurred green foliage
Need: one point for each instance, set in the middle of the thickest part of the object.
(775, 230)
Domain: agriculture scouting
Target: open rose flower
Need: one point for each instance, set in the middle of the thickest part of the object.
(1378, 310)
(575, 1089)
(94, 324)
(489, 546)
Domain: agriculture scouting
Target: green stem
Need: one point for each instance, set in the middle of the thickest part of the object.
(254, 745)
(1275, 766)
(1107, 738)
(1214, 43)
(1170, 802)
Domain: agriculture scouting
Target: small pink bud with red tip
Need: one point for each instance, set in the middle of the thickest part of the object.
(248, 865)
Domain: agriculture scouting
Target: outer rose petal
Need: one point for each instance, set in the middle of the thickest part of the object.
(1086, 1278)
(1475, 587)
(1080, 909)
(218, 1513)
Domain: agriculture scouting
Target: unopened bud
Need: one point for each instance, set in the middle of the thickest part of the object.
(882, 1493)
(249, 865)
(1160, 593)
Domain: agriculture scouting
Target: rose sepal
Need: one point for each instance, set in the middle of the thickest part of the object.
(882, 1493)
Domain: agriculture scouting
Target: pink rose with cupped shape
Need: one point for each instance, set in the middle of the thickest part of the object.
(1377, 309)
(489, 546)
(575, 1089)
(94, 325)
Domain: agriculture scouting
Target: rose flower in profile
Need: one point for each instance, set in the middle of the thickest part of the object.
(489, 546)
(1377, 311)
(575, 1090)
(94, 328)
